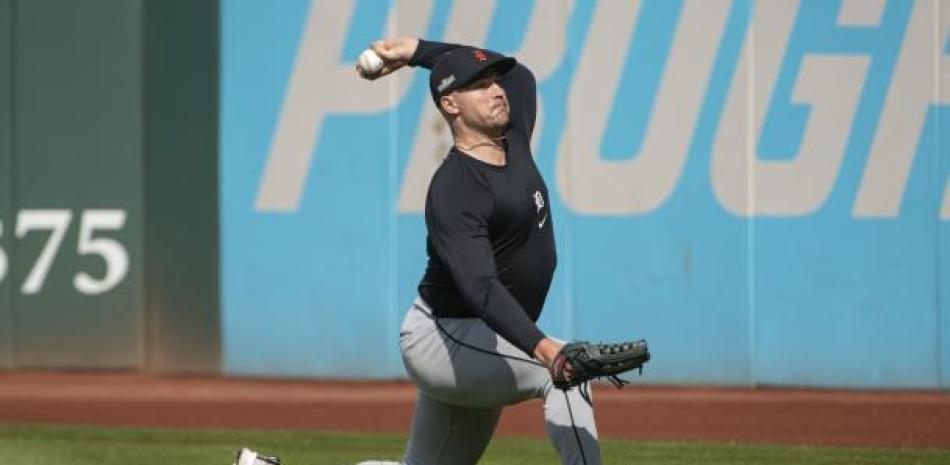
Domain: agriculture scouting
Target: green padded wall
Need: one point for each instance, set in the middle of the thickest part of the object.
(6, 311)
(108, 185)
(181, 186)
(78, 138)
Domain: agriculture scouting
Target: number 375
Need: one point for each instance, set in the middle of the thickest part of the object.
(57, 222)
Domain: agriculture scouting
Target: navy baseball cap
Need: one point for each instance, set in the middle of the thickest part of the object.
(459, 67)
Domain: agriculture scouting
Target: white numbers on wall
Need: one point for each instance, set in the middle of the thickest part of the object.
(56, 222)
(114, 254)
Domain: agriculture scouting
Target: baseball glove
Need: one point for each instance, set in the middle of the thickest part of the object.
(588, 361)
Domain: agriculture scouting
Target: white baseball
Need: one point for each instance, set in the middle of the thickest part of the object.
(370, 62)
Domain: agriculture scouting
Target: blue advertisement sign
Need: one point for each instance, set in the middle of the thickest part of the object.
(759, 188)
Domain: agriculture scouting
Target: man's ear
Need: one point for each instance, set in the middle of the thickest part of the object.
(448, 104)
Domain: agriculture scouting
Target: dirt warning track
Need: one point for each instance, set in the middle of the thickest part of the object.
(884, 419)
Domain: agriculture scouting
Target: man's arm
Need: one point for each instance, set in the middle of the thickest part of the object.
(522, 92)
(395, 54)
(519, 82)
(402, 51)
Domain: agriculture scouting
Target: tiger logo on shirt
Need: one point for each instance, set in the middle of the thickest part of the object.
(539, 204)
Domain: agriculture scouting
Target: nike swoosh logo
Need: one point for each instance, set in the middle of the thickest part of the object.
(541, 223)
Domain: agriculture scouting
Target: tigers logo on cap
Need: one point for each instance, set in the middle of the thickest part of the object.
(480, 55)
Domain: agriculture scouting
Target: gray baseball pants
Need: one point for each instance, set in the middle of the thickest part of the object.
(462, 392)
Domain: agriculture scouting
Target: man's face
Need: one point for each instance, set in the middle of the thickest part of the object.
(482, 104)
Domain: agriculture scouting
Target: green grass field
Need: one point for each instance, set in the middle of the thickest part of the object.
(57, 445)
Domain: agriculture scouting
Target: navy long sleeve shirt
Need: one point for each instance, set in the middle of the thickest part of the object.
(490, 234)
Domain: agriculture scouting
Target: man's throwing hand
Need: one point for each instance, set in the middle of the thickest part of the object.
(395, 54)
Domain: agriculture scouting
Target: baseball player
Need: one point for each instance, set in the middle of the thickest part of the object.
(469, 341)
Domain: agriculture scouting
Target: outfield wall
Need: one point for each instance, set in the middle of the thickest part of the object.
(758, 188)
(108, 185)
(71, 229)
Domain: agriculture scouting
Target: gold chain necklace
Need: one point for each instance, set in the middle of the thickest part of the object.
(468, 148)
